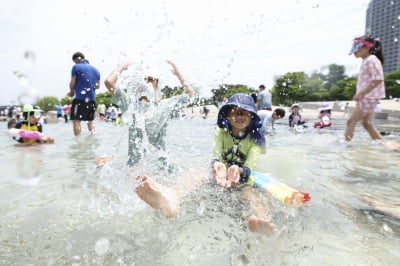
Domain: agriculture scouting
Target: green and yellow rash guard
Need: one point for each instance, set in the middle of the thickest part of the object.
(232, 151)
(24, 125)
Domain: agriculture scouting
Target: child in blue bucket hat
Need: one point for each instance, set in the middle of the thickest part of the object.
(238, 143)
(238, 140)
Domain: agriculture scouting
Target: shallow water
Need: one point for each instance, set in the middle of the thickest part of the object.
(57, 208)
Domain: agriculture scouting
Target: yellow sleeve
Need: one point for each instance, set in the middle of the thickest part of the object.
(252, 157)
(218, 144)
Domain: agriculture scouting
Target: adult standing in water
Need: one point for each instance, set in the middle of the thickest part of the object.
(264, 101)
(85, 80)
(370, 86)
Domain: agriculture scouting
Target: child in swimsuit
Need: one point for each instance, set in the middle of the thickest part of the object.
(31, 123)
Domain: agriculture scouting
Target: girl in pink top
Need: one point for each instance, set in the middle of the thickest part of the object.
(370, 85)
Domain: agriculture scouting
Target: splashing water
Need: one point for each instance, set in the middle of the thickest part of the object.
(29, 57)
(102, 245)
(22, 79)
(28, 96)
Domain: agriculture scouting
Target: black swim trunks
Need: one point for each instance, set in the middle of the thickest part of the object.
(83, 110)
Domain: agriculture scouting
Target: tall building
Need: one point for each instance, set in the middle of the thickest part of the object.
(383, 22)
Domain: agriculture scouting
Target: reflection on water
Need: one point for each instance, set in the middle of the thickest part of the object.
(57, 208)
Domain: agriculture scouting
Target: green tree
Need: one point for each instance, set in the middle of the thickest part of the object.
(289, 89)
(104, 98)
(226, 90)
(336, 73)
(168, 92)
(343, 89)
(350, 88)
(392, 84)
(47, 103)
(314, 88)
(66, 100)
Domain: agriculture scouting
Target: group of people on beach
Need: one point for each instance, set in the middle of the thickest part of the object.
(239, 137)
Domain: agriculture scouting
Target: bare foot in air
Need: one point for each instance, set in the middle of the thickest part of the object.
(259, 225)
(159, 197)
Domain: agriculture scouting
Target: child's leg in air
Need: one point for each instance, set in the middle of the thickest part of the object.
(168, 199)
(159, 197)
(260, 218)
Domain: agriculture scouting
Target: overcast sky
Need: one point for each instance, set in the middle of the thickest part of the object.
(212, 41)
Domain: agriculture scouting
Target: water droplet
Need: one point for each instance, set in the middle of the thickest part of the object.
(29, 57)
(387, 228)
(28, 96)
(83, 92)
(395, 39)
(101, 246)
(21, 78)
(200, 209)
(398, 81)
(163, 236)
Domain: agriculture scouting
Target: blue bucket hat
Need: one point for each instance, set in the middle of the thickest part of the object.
(245, 102)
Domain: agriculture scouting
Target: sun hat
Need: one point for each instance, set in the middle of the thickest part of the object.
(245, 102)
(358, 44)
(325, 107)
(29, 110)
(295, 105)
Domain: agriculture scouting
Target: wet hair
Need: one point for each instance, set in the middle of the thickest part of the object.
(11, 123)
(280, 112)
(26, 115)
(76, 55)
(261, 86)
(377, 50)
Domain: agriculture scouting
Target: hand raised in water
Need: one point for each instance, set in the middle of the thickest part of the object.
(219, 172)
(174, 69)
(124, 66)
(233, 175)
